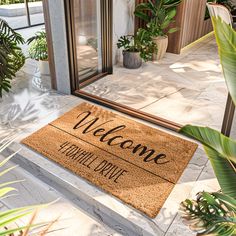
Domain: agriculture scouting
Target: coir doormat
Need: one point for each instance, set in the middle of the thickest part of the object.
(137, 164)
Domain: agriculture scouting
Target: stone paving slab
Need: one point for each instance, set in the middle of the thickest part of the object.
(72, 221)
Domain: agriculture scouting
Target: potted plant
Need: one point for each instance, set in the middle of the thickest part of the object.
(11, 55)
(136, 48)
(158, 15)
(38, 51)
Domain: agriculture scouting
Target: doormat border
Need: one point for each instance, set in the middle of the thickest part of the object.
(166, 183)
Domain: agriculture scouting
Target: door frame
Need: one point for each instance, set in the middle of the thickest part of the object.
(49, 44)
(106, 45)
(107, 23)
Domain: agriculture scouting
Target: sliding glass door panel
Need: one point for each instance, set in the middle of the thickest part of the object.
(88, 38)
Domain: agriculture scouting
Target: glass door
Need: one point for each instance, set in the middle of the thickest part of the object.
(87, 23)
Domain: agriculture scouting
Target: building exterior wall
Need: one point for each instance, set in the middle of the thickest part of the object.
(58, 31)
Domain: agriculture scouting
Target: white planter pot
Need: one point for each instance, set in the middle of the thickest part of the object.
(162, 44)
(44, 68)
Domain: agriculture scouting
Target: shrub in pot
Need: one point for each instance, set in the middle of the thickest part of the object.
(136, 48)
(158, 15)
(38, 51)
(11, 55)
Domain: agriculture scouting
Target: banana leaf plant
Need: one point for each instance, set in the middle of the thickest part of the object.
(221, 152)
(11, 55)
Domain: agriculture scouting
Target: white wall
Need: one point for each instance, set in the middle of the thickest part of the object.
(123, 23)
(58, 28)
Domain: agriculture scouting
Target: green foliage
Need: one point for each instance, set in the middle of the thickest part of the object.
(38, 46)
(11, 56)
(141, 42)
(220, 150)
(210, 214)
(158, 15)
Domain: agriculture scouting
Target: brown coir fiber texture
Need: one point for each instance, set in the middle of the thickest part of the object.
(138, 164)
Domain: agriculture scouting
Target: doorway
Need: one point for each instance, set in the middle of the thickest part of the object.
(89, 28)
(179, 90)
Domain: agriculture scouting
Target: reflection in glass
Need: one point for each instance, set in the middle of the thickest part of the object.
(14, 13)
(87, 26)
(36, 12)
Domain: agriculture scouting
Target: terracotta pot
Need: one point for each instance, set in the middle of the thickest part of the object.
(44, 68)
(131, 60)
(162, 44)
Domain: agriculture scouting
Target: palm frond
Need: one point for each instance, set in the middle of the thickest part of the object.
(11, 56)
(210, 214)
(226, 41)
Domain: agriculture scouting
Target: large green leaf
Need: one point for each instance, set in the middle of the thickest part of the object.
(171, 3)
(171, 13)
(221, 151)
(215, 214)
(141, 11)
(211, 138)
(210, 214)
(142, 16)
(11, 56)
(226, 40)
(224, 171)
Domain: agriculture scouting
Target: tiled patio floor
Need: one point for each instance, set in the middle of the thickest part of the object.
(28, 108)
(185, 88)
